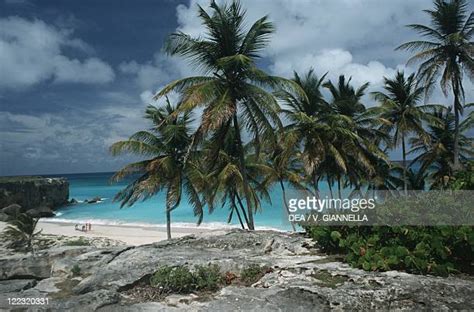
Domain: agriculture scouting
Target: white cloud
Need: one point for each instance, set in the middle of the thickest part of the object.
(91, 70)
(335, 62)
(153, 75)
(33, 51)
(352, 37)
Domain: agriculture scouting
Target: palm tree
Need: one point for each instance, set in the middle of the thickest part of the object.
(364, 153)
(401, 109)
(21, 231)
(446, 53)
(286, 168)
(345, 99)
(233, 87)
(167, 169)
(326, 139)
(225, 183)
(436, 154)
(311, 134)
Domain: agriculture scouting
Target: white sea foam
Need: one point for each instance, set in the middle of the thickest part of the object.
(204, 225)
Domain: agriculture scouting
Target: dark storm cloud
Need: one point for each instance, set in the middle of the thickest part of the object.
(76, 75)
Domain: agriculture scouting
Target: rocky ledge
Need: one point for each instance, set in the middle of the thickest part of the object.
(36, 195)
(300, 278)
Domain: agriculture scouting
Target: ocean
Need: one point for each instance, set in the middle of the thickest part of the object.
(152, 211)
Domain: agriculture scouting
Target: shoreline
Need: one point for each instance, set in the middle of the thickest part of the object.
(129, 234)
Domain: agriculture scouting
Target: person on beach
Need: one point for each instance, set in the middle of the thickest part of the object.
(84, 228)
(76, 227)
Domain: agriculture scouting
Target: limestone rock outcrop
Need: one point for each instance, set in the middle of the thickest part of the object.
(300, 279)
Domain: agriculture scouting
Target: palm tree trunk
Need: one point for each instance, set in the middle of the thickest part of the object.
(330, 188)
(168, 223)
(234, 207)
(243, 209)
(286, 203)
(339, 187)
(244, 174)
(316, 186)
(404, 163)
(457, 104)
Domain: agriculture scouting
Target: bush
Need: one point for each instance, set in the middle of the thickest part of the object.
(78, 242)
(180, 279)
(21, 231)
(416, 249)
(252, 273)
(208, 277)
(76, 270)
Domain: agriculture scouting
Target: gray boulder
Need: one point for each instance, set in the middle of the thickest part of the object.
(41, 212)
(298, 279)
(16, 285)
(93, 200)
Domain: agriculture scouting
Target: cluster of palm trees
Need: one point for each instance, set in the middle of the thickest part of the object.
(257, 131)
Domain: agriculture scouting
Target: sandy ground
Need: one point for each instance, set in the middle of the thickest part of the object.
(131, 235)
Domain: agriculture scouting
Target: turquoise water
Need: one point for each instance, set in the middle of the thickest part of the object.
(152, 211)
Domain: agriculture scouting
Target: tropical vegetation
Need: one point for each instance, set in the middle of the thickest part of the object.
(21, 232)
(258, 131)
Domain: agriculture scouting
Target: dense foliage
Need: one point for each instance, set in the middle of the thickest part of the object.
(257, 131)
(180, 279)
(434, 250)
(21, 232)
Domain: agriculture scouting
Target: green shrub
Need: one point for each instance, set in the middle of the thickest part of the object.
(208, 277)
(464, 179)
(78, 242)
(180, 279)
(252, 274)
(173, 279)
(76, 270)
(416, 249)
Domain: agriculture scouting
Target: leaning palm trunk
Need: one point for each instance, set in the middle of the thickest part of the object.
(242, 208)
(250, 223)
(168, 223)
(236, 209)
(286, 203)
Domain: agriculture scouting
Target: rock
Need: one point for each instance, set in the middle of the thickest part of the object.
(298, 280)
(93, 200)
(73, 201)
(88, 302)
(12, 210)
(38, 267)
(32, 192)
(24, 267)
(268, 246)
(41, 212)
(16, 285)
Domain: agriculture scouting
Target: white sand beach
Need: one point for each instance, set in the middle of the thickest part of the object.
(129, 234)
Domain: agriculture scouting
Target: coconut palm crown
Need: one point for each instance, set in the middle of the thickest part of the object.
(446, 53)
(232, 88)
(166, 168)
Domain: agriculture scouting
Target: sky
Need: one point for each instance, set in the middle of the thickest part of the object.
(76, 76)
